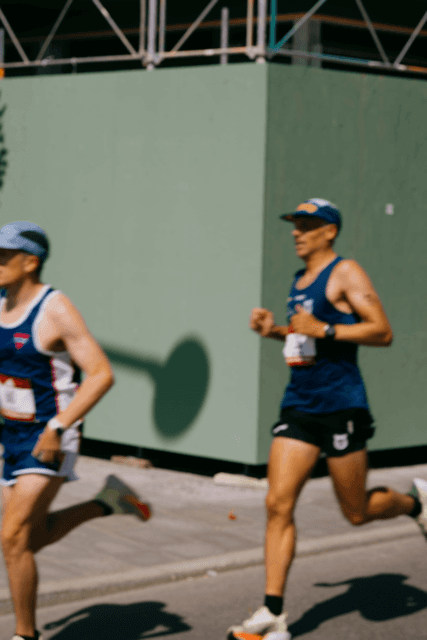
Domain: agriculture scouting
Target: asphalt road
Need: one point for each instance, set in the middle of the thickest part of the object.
(376, 592)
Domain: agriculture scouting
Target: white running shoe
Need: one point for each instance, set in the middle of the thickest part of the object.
(262, 624)
(122, 499)
(419, 490)
(38, 636)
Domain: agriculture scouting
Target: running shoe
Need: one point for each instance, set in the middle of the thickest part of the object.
(38, 636)
(263, 625)
(122, 499)
(419, 490)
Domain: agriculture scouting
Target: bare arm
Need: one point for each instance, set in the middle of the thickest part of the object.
(86, 353)
(374, 328)
(262, 322)
(356, 288)
(70, 329)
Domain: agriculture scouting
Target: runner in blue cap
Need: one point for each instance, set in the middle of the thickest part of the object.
(44, 347)
(332, 308)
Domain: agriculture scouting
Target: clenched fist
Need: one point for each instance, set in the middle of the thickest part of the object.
(261, 321)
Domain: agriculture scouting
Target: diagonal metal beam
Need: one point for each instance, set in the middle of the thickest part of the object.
(373, 32)
(195, 24)
(299, 24)
(119, 33)
(54, 30)
(405, 49)
(13, 38)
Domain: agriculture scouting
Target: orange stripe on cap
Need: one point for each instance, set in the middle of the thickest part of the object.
(309, 207)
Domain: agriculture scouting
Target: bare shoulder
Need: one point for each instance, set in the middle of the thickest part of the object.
(347, 268)
(348, 272)
(61, 310)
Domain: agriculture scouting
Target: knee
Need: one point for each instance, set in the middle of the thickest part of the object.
(279, 506)
(355, 518)
(14, 540)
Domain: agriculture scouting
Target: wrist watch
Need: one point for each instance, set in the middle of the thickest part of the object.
(329, 331)
(57, 426)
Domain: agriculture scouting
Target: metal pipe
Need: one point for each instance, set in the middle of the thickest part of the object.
(119, 33)
(411, 40)
(213, 52)
(48, 62)
(224, 34)
(14, 38)
(373, 32)
(261, 30)
(195, 24)
(273, 23)
(250, 24)
(299, 24)
(54, 30)
(142, 18)
(152, 22)
(162, 26)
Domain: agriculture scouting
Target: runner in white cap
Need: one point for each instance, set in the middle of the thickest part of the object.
(332, 308)
(44, 346)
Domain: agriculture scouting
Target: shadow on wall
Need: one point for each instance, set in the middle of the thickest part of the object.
(180, 384)
(3, 150)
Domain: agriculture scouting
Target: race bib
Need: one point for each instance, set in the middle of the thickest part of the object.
(17, 399)
(299, 350)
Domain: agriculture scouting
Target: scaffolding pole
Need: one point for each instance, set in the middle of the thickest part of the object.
(152, 28)
(224, 34)
(261, 30)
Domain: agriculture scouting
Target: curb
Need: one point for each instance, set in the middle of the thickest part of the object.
(236, 480)
(61, 591)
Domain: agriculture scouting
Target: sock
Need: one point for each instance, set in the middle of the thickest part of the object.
(274, 603)
(36, 637)
(418, 507)
(107, 509)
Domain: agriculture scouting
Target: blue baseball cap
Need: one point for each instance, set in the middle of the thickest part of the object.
(25, 236)
(317, 208)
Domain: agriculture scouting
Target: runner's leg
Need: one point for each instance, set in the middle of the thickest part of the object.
(24, 520)
(290, 465)
(359, 506)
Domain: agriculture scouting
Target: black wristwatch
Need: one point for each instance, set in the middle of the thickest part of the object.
(330, 331)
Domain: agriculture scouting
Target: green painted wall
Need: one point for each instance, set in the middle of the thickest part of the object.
(161, 193)
(150, 186)
(361, 142)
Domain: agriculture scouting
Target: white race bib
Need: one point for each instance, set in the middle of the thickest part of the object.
(299, 350)
(17, 399)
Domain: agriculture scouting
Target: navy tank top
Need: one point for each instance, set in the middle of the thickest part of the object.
(333, 382)
(35, 384)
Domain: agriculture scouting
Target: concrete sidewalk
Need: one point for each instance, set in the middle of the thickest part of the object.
(191, 532)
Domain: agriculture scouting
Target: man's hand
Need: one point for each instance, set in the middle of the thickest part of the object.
(306, 324)
(48, 447)
(261, 321)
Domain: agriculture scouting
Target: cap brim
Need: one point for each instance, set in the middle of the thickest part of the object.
(297, 214)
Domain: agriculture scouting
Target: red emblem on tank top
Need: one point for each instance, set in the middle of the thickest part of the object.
(20, 339)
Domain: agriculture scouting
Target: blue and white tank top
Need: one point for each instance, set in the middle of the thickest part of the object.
(333, 381)
(35, 384)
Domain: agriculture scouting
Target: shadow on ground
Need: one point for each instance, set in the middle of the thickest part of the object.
(377, 598)
(121, 622)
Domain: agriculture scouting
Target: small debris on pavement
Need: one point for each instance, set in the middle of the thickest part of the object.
(212, 573)
(231, 515)
(131, 461)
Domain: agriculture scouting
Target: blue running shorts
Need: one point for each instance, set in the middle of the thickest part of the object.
(20, 439)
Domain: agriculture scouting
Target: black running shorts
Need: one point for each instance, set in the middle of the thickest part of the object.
(336, 433)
